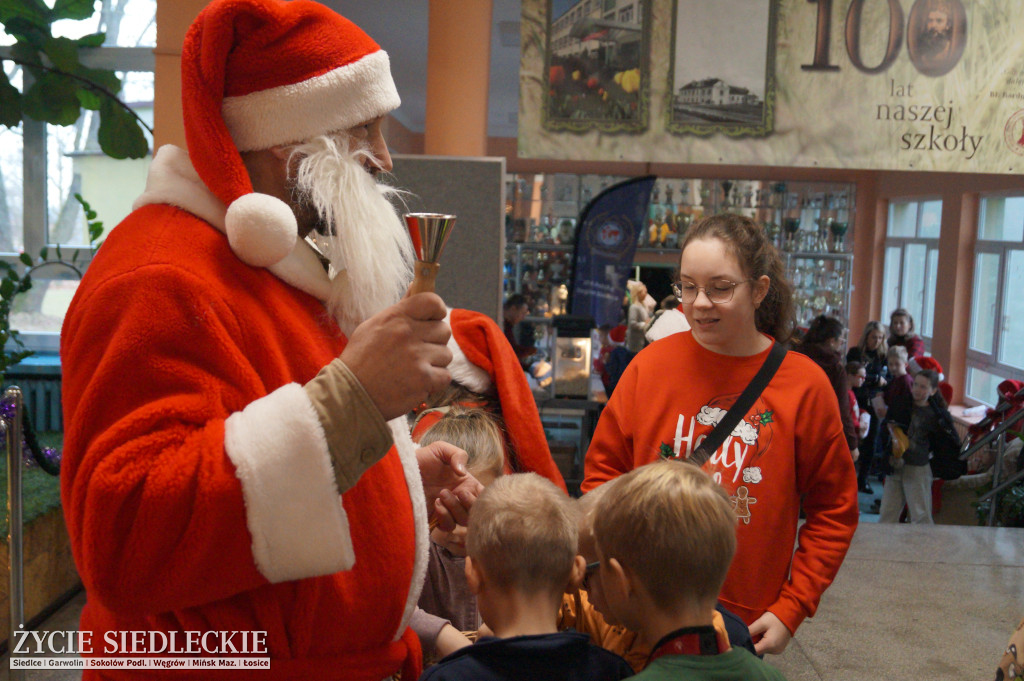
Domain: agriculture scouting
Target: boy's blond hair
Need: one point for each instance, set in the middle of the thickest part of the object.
(474, 430)
(586, 505)
(673, 527)
(897, 352)
(522, 532)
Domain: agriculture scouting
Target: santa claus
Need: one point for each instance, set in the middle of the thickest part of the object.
(238, 363)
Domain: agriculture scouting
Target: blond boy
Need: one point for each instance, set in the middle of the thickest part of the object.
(522, 555)
(582, 605)
(665, 535)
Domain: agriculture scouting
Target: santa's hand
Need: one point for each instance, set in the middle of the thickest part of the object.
(400, 354)
(775, 636)
(448, 486)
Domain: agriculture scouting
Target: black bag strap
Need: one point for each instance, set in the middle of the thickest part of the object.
(742, 405)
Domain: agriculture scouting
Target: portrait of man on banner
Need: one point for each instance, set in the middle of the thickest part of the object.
(722, 75)
(936, 35)
(597, 65)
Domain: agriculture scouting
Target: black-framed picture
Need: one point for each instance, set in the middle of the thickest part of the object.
(722, 69)
(597, 65)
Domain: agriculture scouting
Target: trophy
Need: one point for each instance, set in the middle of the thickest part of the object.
(429, 233)
(791, 225)
(838, 234)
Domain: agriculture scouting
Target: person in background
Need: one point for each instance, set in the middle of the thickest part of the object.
(901, 327)
(918, 417)
(665, 535)
(823, 343)
(667, 319)
(637, 317)
(447, 604)
(738, 301)
(521, 556)
(871, 353)
(899, 383)
(856, 375)
(514, 312)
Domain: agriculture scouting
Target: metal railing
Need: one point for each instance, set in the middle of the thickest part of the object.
(15, 519)
(997, 467)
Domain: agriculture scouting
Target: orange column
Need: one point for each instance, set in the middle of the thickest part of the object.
(953, 294)
(458, 74)
(173, 17)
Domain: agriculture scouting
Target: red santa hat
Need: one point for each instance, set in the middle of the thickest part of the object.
(262, 73)
(917, 364)
(485, 362)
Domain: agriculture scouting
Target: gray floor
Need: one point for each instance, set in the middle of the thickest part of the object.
(936, 602)
(915, 602)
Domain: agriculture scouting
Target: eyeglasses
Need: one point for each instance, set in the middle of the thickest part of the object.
(718, 291)
(590, 570)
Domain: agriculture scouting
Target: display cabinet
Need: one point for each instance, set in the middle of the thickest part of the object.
(808, 221)
(822, 284)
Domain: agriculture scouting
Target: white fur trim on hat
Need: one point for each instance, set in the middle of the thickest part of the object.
(261, 229)
(462, 370)
(337, 100)
(293, 510)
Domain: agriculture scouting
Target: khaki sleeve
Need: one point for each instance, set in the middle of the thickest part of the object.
(357, 434)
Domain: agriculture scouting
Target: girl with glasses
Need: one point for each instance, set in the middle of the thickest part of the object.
(787, 454)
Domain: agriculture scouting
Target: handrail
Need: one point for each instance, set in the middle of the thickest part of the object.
(15, 518)
(992, 434)
(1003, 486)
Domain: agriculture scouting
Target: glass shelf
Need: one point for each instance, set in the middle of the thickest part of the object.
(807, 221)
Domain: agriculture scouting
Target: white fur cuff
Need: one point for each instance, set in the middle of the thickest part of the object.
(294, 512)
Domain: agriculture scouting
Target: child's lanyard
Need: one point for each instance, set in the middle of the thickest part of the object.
(691, 641)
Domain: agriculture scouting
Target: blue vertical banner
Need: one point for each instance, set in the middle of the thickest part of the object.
(606, 240)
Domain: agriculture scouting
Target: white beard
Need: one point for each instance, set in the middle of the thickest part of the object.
(365, 240)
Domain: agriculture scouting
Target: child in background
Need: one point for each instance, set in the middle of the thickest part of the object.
(582, 605)
(899, 380)
(522, 555)
(446, 598)
(861, 418)
(665, 535)
(910, 482)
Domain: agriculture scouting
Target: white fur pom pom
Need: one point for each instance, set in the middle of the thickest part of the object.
(261, 229)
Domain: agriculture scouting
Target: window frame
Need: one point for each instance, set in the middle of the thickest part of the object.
(931, 245)
(35, 177)
(988, 362)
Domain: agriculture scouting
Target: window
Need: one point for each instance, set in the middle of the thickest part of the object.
(912, 261)
(43, 166)
(996, 340)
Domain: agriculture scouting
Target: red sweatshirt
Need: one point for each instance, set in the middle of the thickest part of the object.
(790, 447)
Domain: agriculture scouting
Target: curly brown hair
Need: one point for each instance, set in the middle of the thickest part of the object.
(758, 257)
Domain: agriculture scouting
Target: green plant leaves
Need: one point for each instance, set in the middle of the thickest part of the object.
(120, 135)
(61, 86)
(63, 53)
(10, 102)
(92, 40)
(72, 9)
(31, 11)
(52, 99)
(95, 226)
